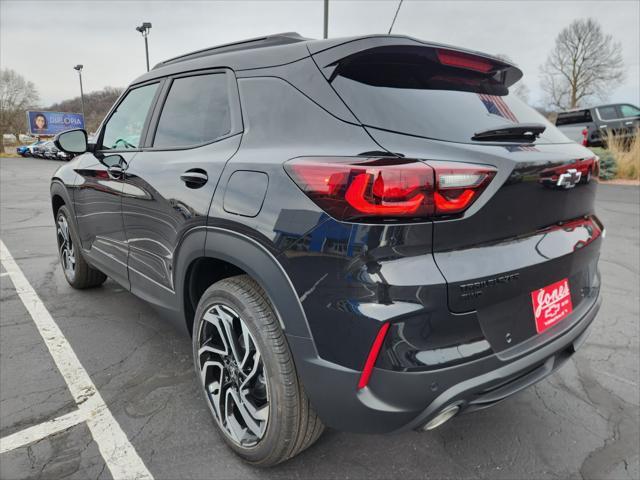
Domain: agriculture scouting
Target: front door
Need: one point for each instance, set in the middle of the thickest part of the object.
(168, 186)
(99, 186)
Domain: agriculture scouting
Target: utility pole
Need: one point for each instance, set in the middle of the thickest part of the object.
(144, 30)
(326, 19)
(79, 69)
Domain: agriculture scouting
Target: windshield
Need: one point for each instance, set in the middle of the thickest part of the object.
(409, 94)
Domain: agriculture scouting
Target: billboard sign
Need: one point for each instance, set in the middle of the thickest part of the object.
(52, 123)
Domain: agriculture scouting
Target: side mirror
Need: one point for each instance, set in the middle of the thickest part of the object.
(72, 141)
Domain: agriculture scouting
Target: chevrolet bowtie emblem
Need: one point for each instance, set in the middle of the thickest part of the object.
(569, 179)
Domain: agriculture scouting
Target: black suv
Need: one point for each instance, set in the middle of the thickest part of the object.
(370, 233)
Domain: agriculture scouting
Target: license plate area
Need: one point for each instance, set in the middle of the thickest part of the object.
(551, 304)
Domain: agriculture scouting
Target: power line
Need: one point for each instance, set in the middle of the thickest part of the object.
(394, 18)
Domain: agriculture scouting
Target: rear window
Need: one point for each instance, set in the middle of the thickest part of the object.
(569, 118)
(608, 113)
(196, 111)
(406, 91)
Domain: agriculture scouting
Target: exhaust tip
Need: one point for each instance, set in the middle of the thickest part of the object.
(444, 416)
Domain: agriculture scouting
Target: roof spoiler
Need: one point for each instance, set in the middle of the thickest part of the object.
(329, 58)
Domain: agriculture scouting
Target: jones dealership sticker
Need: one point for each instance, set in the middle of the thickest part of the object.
(551, 304)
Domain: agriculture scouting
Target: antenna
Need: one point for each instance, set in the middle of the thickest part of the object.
(394, 18)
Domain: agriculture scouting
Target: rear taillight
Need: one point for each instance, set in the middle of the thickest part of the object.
(458, 185)
(388, 188)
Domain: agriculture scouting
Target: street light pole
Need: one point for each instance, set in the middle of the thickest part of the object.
(144, 30)
(79, 69)
(326, 19)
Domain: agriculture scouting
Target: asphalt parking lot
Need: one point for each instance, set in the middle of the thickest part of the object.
(582, 422)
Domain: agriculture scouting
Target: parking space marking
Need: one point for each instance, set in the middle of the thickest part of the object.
(119, 455)
(43, 430)
(4, 274)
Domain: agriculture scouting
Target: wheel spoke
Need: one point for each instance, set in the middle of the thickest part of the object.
(259, 413)
(227, 322)
(216, 322)
(214, 388)
(234, 428)
(248, 343)
(254, 370)
(63, 229)
(248, 419)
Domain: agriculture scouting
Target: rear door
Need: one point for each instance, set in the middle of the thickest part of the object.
(534, 224)
(169, 185)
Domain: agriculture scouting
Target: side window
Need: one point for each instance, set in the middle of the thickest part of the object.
(196, 111)
(608, 113)
(124, 127)
(629, 111)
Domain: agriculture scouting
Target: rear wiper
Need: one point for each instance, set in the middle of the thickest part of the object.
(527, 132)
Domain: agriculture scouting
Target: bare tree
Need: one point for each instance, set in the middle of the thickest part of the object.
(96, 106)
(584, 64)
(16, 95)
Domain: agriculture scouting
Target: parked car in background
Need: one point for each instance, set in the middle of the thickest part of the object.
(50, 151)
(30, 150)
(23, 150)
(372, 233)
(40, 150)
(63, 155)
(589, 126)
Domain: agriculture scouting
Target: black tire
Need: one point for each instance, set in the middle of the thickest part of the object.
(77, 271)
(292, 425)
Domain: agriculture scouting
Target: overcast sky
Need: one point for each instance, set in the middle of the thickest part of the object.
(44, 40)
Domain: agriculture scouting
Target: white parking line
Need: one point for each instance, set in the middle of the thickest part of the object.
(118, 453)
(43, 430)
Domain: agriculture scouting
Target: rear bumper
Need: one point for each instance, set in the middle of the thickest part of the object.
(397, 401)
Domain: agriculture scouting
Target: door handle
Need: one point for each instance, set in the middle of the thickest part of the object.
(194, 178)
(116, 171)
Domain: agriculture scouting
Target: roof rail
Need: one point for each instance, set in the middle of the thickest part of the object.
(259, 42)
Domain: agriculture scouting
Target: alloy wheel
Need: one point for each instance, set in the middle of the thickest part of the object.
(233, 375)
(66, 248)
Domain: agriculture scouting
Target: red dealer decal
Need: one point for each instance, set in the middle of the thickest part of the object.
(551, 304)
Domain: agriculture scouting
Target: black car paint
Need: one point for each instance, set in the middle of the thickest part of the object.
(334, 283)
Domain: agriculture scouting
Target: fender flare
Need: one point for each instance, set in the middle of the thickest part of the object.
(252, 257)
(58, 188)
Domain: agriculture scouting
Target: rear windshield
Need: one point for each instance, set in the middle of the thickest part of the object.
(569, 118)
(402, 90)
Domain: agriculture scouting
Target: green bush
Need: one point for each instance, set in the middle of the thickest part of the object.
(608, 165)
